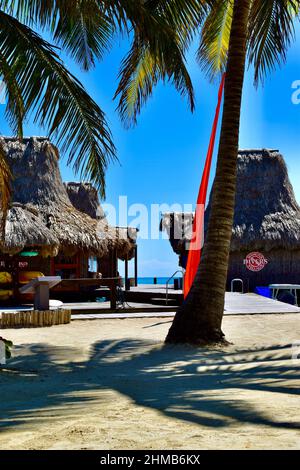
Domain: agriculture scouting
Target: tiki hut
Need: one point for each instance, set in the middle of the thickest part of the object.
(51, 227)
(84, 198)
(178, 226)
(266, 225)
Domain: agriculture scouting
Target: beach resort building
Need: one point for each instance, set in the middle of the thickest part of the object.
(54, 228)
(265, 245)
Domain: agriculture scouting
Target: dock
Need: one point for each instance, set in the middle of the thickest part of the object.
(235, 304)
(251, 304)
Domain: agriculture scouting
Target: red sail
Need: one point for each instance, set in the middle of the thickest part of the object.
(194, 255)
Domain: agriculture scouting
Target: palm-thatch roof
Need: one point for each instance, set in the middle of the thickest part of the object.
(178, 226)
(84, 197)
(25, 228)
(266, 216)
(42, 213)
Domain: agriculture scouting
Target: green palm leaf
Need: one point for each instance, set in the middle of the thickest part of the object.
(42, 12)
(140, 72)
(58, 100)
(82, 27)
(158, 53)
(15, 111)
(213, 49)
(271, 30)
(138, 75)
(85, 27)
(85, 31)
(163, 29)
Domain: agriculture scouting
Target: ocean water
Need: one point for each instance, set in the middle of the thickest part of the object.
(160, 280)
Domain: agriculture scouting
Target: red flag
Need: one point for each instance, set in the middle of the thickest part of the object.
(194, 255)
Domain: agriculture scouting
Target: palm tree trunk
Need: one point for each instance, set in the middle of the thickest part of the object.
(199, 319)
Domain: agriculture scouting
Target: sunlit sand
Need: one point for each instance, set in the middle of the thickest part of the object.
(111, 384)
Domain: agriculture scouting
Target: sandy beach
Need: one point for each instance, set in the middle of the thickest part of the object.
(111, 384)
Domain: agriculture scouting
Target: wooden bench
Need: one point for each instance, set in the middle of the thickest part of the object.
(40, 287)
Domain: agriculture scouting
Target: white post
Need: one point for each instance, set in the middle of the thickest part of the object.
(2, 353)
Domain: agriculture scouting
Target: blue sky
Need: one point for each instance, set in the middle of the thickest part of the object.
(162, 158)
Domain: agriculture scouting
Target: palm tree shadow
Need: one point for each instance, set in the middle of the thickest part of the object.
(181, 382)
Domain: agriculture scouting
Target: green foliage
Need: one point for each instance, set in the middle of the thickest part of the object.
(161, 32)
(158, 53)
(271, 30)
(8, 345)
(37, 81)
(215, 35)
(142, 69)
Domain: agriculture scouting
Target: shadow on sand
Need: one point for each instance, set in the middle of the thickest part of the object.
(194, 385)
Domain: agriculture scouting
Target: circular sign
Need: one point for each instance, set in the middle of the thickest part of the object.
(255, 261)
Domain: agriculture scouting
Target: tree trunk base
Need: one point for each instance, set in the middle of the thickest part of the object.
(193, 329)
(201, 341)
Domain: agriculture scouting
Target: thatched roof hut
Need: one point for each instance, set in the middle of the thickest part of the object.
(178, 226)
(84, 197)
(267, 216)
(48, 214)
(25, 228)
(266, 219)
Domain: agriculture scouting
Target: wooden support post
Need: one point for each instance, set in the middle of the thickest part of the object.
(115, 264)
(14, 269)
(127, 286)
(113, 296)
(136, 266)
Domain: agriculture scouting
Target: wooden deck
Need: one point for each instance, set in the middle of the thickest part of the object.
(251, 304)
(155, 289)
(235, 304)
(154, 294)
(104, 307)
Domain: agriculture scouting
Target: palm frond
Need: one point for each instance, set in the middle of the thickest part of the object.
(85, 31)
(58, 100)
(140, 72)
(214, 43)
(271, 30)
(34, 12)
(158, 52)
(81, 27)
(182, 16)
(15, 111)
(85, 27)
(138, 75)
